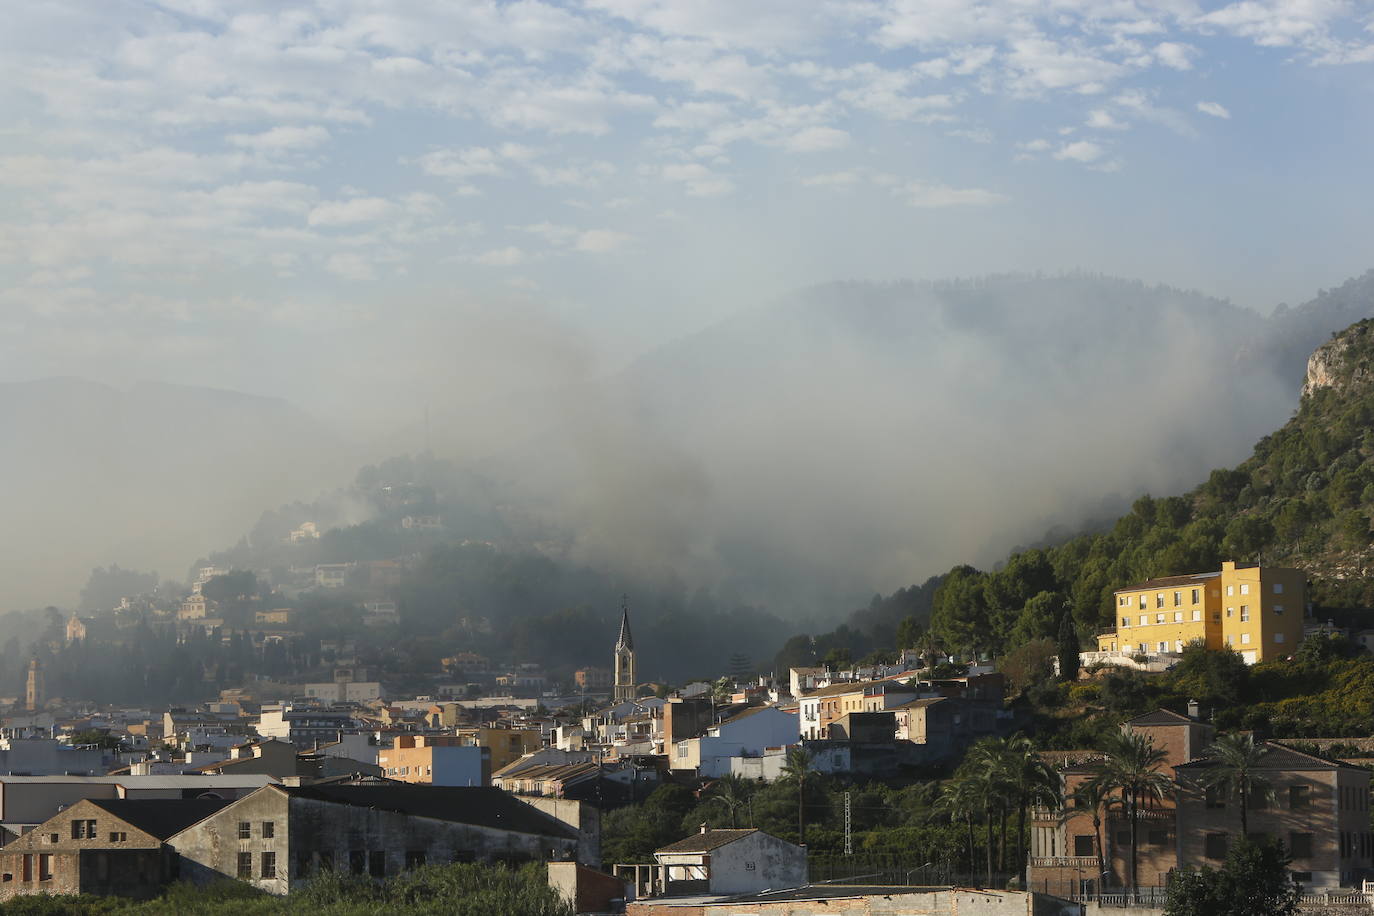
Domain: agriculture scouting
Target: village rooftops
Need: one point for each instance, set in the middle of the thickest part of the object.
(856, 686)
(706, 841)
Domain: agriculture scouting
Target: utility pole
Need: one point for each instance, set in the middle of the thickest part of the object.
(848, 835)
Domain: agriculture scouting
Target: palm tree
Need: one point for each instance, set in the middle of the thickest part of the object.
(796, 767)
(1132, 768)
(1094, 796)
(733, 792)
(986, 766)
(1234, 759)
(1031, 780)
(961, 797)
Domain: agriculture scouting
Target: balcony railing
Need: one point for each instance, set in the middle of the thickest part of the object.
(1064, 862)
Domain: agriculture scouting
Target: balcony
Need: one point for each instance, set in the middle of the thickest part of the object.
(1064, 862)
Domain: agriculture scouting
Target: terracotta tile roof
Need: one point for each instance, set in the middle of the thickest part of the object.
(1167, 581)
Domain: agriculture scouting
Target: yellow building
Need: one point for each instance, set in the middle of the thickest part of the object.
(507, 745)
(1255, 610)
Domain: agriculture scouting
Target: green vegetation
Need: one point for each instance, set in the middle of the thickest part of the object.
(463, 890)
(1254, 881)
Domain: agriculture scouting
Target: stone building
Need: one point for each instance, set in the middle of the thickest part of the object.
(1319, 808)
(743, 861)
(279, 837)
(101, 846)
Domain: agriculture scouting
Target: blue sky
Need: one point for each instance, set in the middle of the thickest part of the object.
(256, 194)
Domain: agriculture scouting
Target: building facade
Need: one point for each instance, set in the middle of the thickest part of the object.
(1258, 611)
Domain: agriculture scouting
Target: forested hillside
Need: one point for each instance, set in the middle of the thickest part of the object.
(1304, 498)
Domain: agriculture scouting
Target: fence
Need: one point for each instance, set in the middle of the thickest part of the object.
(896, 870)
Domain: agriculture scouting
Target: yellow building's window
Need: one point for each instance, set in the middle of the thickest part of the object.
(1178, 598)
(1245, 588)
(1159, 600)
(1159, 618)
(1245, 612)
(1245, 639)
(1178, 616)
(1125, 621)
(1197, 615)
(1196, 595)
(1144, 620)
(1230, 590)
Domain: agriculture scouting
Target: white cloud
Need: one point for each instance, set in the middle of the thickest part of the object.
(600, 241)
(510, 256)
(1101, 119)
(833, 179)
(281, 139)
(349, 212)
(817, 139)
(698, 179)
(1215, 109)
(1080, 151)
(350, 266)
(931, 196)
(1175, 55)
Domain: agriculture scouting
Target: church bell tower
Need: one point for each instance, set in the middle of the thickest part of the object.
(625, 681)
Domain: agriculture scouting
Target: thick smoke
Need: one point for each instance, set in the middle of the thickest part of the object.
(851, 438)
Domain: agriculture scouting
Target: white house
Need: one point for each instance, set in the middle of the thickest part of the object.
(747, 734)
(731, 862)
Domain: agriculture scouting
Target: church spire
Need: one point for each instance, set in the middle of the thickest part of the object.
(626, 641)
(626, 684)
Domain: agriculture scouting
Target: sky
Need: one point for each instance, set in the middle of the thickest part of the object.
(317, 200)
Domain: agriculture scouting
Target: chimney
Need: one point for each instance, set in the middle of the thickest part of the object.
(1194, 710)
(704, 828)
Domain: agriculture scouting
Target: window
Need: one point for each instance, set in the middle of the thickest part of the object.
(357, 861)
(1278, 609)
(269, 865)
(1278, 588)
(415, 858)
(1178, 598)
(1083, 845)
(1230, 640)
(45, 866)
(1215, 797)
(1163, 646)
(1245, 588)
(1159, 838)
(269, 829)
(1278, 637)
(1121, 602)
(1196, 596)
(1144, 602)
(1178, 616)
(1125, 621)
(1197, 615)
(1230, 611)
(118, 836)
(1215, 846)
(83, 830)
(245, 865)
(26, 871)
(1144, 620)
(1159, 600)
(1299, 796)
(1230, 590)
(245, 830)
(376, 863)
(1159, 618)
(1245, 612)
(1245, 639)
